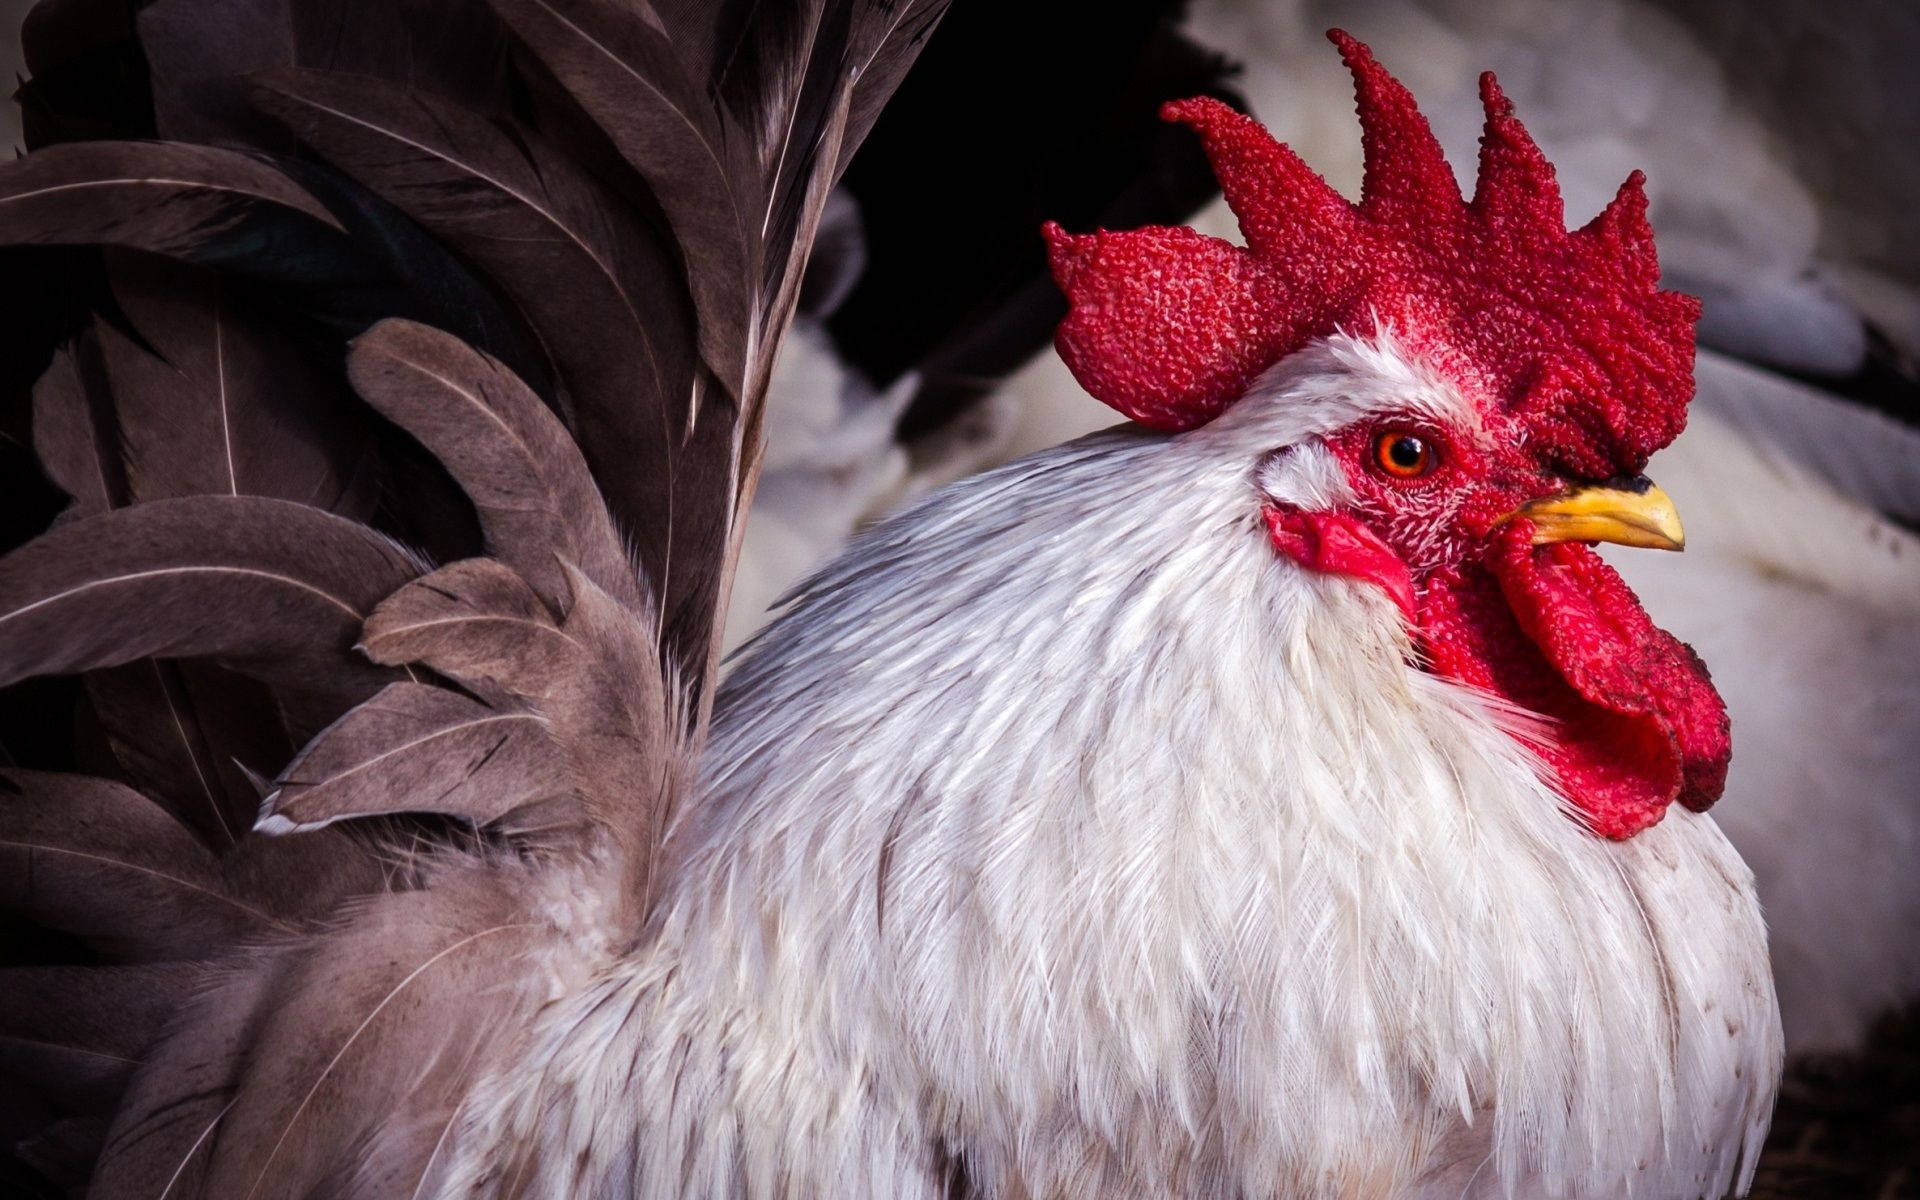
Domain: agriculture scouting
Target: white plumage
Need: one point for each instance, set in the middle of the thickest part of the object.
(1063, 826)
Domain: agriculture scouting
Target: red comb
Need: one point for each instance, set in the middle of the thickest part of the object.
(1569, 331)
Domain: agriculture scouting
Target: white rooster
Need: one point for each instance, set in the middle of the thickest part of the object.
(1274, 797)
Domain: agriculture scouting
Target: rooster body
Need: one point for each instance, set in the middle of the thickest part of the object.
(1063, 829)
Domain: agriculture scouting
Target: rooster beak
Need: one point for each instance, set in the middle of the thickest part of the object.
(1627, 511)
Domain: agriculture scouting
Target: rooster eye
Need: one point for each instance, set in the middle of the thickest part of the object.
(1403, 455)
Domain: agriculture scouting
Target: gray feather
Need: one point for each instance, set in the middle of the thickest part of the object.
(166, 197)
(277, 589)
(1861, 453)
(418, 748)
(76, 1034)
(532, 490)
(97, 860)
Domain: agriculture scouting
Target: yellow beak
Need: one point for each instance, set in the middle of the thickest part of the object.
(1625, 511)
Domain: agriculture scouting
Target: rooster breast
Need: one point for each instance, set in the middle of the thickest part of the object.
(1061, 830)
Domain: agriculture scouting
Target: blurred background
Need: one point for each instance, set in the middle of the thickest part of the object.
(1779, 139)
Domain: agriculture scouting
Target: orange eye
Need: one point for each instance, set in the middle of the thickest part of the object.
(1403, 455)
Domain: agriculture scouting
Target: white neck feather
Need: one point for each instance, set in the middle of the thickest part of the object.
(1065, 825)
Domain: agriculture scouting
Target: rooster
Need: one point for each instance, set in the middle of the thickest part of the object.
(1274, 796)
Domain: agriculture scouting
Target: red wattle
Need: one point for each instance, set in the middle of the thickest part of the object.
(1555, 631)
(1337, 543)
(1590, 625)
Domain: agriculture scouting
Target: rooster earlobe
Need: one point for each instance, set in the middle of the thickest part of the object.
(1407, 181)
(1516, 183)
(1282, 204)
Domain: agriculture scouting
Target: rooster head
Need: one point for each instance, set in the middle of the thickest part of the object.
(1539, 369)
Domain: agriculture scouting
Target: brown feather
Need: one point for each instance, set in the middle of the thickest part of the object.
(212, 399)
(418, 748)
(629, 78)
(476, 622)
(200, 51)
(328, 1058)
(74, 450)
(277, 589)
(617, 713)
(99, 861)
(187, 734)
(595, 678)
(523, 212)
(303, 880)
(167, 197)
(621, 333)
(534, 495)
(75, 1034)
(197, 395)
(886, 38)
(377, 1029)
(162, 1136)
(63, 1152)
